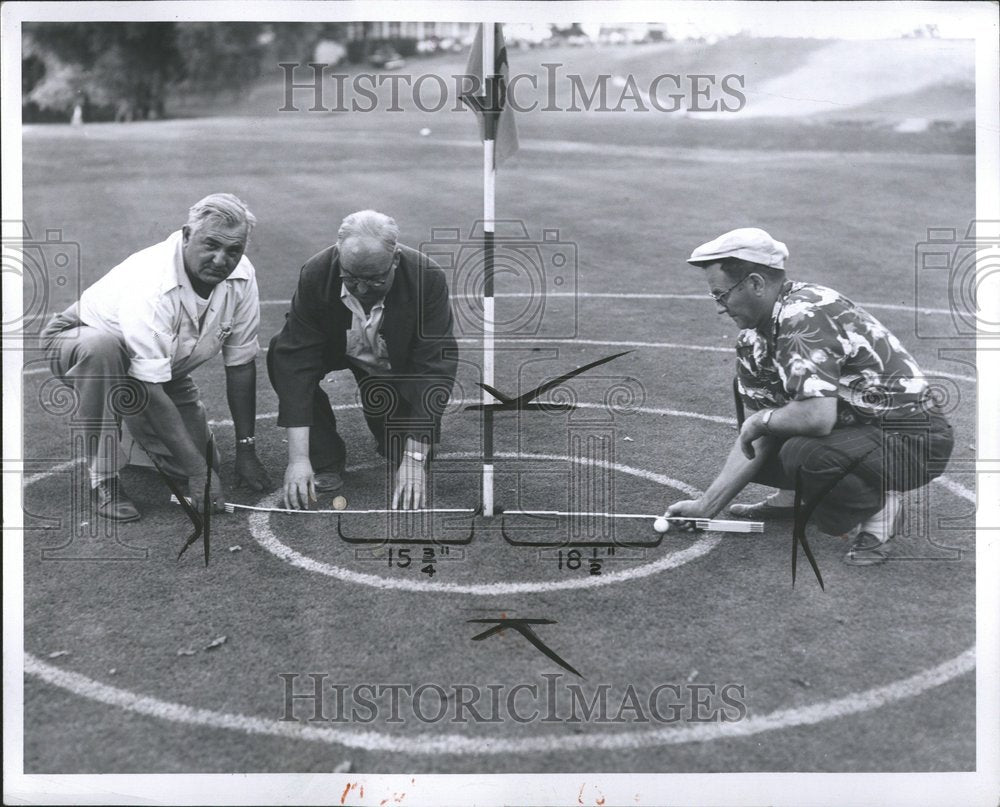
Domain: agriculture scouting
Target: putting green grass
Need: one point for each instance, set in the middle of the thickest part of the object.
(629, 210)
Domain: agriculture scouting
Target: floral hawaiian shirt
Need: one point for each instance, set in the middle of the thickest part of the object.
(819, 344)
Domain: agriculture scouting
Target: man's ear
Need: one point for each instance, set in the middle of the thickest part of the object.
(185, 234)
(758, 282)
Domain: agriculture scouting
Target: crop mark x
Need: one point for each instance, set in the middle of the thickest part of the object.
(523, 626)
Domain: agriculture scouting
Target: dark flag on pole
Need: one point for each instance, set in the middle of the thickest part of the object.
(489, 99)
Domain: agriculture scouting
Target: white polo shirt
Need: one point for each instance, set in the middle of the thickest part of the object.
(147, 300)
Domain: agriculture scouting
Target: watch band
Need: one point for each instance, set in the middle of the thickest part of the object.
(766, 421)
(415, 455)
(246, 441)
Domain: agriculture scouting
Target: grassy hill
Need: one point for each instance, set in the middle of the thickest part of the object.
(900, 78)
(800, 94)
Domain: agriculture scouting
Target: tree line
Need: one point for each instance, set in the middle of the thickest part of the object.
(129, 70)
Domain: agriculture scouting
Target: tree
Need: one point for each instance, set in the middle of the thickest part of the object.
(220, 55)
(296, 41)
(128, 69)
(127, 65)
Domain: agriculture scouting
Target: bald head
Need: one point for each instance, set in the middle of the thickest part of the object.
(367, 242)
(364, 256)
(368, 255)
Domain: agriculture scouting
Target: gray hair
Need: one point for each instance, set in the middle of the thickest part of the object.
(224, 206)
(370, 225)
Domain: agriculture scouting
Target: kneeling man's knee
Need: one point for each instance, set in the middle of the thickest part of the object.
(800, 452)
(100, 352)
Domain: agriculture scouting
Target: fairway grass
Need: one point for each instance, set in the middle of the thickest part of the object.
(632, 211)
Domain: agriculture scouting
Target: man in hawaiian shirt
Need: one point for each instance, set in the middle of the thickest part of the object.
(827, 386)
(128, 347)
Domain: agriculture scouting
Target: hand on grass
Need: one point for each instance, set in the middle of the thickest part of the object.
(250, 471)
(300, 488)
(196, 492)
(411, 483)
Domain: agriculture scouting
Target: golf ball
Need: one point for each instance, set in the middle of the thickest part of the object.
(424, 132)
(661, 524)
(339, 503)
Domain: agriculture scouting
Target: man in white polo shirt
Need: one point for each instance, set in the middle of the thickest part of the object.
(128, 348)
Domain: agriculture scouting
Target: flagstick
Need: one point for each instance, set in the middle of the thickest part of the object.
(489, 213)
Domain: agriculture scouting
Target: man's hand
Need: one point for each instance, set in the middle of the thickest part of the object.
(411, 483)
(753, 427)
(196, 492)
(300, 489)
(249, 470)
(689, 508)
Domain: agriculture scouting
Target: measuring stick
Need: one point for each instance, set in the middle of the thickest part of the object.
(231, 508)
(714, 524)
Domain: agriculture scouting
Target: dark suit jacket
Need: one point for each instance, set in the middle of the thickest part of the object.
(416, 326)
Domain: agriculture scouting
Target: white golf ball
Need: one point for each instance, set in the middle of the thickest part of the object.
(424, 132)
(661, 524)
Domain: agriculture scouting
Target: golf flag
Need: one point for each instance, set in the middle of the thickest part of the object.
(489, 99)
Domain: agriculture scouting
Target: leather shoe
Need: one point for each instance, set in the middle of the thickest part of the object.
(873, 543)
(112, 502)
(761, 510)
(327, 481)
(867, 550)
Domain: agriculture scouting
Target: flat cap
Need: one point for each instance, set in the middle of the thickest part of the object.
(749, 243)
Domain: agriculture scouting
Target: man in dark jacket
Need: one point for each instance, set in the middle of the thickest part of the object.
(381, 310)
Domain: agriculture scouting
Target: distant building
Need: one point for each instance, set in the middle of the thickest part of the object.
(526, 33)
(398, 29)
(623, 34)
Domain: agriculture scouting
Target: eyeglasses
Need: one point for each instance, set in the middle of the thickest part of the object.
(370, 283)
(351, 280)
(721, 298)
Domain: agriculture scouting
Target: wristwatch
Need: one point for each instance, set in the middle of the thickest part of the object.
(246, 441)
(766, 421)
(416, 455)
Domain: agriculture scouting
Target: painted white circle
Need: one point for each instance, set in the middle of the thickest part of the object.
(262, 533)
(428, 744)
(805, 715)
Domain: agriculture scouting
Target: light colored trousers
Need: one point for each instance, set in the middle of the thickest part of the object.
(95, 365)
